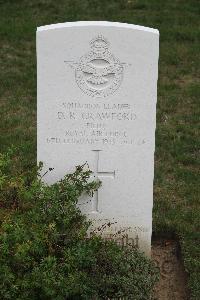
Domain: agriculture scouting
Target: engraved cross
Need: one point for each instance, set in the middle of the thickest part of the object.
(98, 174)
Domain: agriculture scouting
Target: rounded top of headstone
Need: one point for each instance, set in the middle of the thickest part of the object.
(98, 23)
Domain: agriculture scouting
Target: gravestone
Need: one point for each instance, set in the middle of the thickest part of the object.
(97, 92)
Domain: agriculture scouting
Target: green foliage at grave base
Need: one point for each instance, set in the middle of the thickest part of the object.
(44, 249)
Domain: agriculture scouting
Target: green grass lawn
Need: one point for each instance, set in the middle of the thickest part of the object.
(176, 186)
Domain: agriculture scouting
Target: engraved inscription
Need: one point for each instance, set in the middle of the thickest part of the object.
(98, 73)
(123, 240)
(91, 124)
(124, 236)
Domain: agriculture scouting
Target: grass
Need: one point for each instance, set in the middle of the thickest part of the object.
(176, 186)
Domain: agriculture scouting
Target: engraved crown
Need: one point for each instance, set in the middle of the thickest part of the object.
(99, 44)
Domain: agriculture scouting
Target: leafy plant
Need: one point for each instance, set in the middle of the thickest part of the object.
(45, 252)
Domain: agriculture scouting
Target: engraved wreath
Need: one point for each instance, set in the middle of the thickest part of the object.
(98, 73)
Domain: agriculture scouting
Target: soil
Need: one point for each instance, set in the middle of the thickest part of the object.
(173, 279)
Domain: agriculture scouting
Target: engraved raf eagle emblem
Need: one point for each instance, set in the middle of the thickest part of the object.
(98, 73)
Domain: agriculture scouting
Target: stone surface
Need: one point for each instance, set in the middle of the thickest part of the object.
(97, 92)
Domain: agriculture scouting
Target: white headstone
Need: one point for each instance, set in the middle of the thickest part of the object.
(97, 92)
